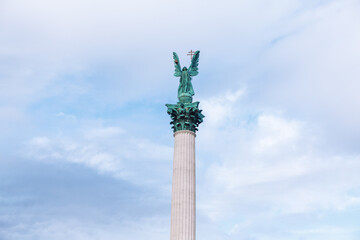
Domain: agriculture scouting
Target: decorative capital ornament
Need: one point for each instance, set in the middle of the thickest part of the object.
(185, 116)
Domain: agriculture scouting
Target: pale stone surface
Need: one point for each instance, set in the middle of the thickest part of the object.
(183, 216)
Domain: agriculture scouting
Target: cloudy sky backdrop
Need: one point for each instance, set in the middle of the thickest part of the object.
(85, 141)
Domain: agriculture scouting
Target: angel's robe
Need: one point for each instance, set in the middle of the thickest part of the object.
(185, 85)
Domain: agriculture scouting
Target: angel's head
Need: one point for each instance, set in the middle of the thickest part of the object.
(184, 69)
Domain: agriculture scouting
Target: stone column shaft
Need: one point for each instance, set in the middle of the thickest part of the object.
(183, 215)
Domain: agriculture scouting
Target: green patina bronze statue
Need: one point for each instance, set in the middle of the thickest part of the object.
(185, 115)
(185, 90)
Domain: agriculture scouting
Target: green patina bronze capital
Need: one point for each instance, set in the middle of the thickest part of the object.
(185, 115)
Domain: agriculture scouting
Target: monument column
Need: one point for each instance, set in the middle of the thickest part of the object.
(186, 117)
(183, 217)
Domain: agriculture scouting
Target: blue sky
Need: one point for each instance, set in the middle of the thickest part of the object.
(85, 142)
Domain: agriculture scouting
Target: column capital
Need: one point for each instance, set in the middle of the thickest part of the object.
(185, 116)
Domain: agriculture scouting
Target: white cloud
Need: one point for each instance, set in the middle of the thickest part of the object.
(219, 108)
(103, 132)
(271, 166)
(109, 150)
(273, 132)
(313, 71)
(86, 229)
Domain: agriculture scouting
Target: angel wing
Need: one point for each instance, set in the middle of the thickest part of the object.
(177, 65)
(193, 69)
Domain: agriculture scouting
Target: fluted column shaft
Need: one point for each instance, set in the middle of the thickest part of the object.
(183, 216)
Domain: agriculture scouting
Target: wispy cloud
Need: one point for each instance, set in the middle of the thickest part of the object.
(271, 166)
(109, 150)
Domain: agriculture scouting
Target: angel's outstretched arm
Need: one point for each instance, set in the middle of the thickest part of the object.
(177, 65)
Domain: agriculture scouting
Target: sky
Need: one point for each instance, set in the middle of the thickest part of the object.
(86, 146)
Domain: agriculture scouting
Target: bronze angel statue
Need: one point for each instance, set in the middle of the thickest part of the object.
(185, 86)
